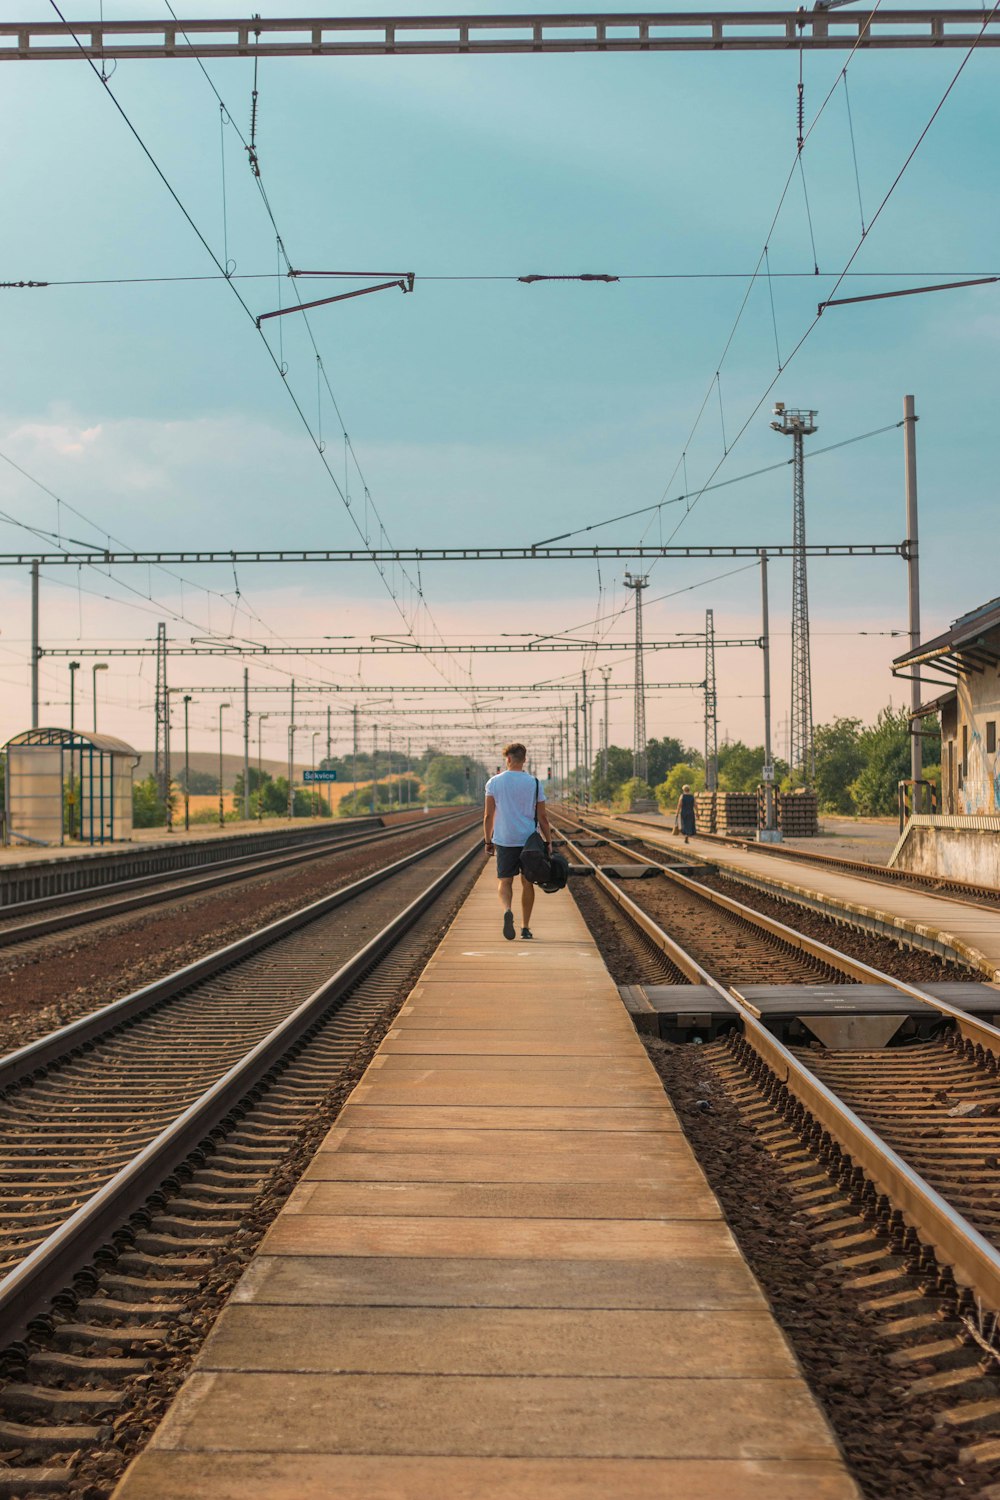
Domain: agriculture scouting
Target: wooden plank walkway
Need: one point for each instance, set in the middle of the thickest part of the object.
(972, 932)
(503, 1276)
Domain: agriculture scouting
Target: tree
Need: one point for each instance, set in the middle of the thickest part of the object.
(663, 755)
(201, 783)
(148, 808)
(741, 767)
(603, 788)
(839, 761)
(885, 747)
(682, 774)
(630, 792)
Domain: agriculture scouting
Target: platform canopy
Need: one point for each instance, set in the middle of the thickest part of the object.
(63, 782)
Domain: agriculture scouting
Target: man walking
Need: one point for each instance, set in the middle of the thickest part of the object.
(514, 800)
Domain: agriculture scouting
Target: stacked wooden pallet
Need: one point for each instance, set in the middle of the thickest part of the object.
(735, 812)
(798, 815)
(704, 812)
(725, 812)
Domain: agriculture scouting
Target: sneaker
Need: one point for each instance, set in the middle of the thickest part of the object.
(508, 926)
(526, 932)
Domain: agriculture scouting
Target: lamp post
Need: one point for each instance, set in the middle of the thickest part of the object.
(260, 768)
(222, 810)
(187, 767)
(74, 667)
(315, 737)
(99, 666)
(291, 769)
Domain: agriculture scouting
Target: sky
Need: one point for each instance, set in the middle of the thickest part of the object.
(481, 410)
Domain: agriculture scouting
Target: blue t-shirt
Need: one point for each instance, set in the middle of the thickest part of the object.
(514, 794)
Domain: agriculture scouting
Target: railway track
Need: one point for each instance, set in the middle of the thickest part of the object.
(25, 921)
(892, 1154)
(194, 1157)
(964, 891)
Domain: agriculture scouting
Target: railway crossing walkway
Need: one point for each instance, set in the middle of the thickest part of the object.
(950, 926)
(503, 1276)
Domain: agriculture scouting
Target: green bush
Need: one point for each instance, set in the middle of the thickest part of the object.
(668, 791)
(629, 793)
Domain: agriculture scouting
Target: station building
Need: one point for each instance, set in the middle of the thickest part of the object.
(961, 838)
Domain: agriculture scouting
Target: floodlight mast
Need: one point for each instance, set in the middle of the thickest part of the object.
(639, 767)
(798, 424)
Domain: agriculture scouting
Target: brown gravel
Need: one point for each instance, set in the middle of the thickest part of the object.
(890, 1437)
(54, 980)
(910, 964)
(629, 955)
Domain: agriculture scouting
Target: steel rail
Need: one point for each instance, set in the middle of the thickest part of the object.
(226, 872)
(18, 1066)
(940, 885)
(972, 1028)
(818, 29)
(27, 1290)
(973, 1260)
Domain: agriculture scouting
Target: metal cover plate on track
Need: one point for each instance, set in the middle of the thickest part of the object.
(631, 872)
(866, 999)
(829, 999)
(675, 1012)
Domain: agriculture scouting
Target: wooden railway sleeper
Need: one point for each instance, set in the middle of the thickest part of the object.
(24, 1399)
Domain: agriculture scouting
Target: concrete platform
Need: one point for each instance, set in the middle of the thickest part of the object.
(502, 1277)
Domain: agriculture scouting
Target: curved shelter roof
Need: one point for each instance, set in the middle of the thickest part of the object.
(77, 739)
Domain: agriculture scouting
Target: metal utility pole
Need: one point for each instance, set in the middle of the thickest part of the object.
(765, 641)
(913, 579)
(374, 767)
(586, 742)
(246, 744)
(711, 707)
(566, 777)
(606, 737)
(329, 785)
(354, 716)
(222, 807)
(291, 756)
(576, 742)
(798, 425)
(35, 653)
(187, 766)
(639, 765)
(162, 710)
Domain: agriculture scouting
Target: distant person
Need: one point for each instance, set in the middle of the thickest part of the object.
(684, 816)
(514, 801)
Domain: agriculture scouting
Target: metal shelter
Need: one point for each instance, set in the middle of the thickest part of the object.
(63, 782)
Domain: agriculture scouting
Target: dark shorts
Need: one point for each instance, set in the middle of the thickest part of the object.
(508, 861)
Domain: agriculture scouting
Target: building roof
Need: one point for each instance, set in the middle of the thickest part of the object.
(963, 649)
(75, 739)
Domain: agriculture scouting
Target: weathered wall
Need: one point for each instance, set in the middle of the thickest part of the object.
(978, 705)
(957, 853)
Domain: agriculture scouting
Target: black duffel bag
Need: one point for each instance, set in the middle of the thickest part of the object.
(549, 872)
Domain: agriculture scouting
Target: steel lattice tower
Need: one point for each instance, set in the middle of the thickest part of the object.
(711, 702)
(161, 754)
(639, 766)
(798, 425)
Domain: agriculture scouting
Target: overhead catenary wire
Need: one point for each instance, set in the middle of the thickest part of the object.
(850, 261)
(275, 359)
(783, 463)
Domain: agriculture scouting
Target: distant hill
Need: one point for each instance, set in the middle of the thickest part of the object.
(204, 760)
